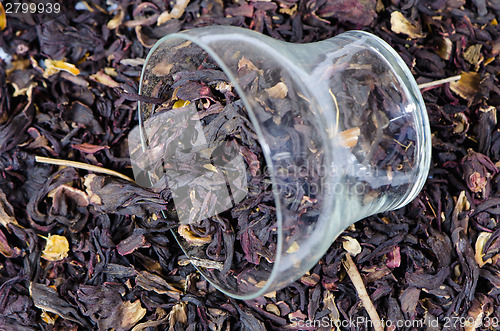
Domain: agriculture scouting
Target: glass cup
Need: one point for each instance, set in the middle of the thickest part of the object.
(269, 150)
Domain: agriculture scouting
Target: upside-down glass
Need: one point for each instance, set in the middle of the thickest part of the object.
(341, 124)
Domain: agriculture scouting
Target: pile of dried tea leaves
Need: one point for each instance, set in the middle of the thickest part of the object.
(83, 250)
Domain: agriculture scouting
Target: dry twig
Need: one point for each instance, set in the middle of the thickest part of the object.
(356, 280)
(80, 165)
(439, 82)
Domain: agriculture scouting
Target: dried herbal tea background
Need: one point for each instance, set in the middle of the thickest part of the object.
(82, 250)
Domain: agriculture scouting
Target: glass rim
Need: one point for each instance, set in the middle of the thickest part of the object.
(411, 89)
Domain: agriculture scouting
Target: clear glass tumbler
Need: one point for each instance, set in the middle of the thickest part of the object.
(341, 126)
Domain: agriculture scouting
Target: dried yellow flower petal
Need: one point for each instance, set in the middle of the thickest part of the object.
(351, 245)
(400, 24)
(473, 54)
(162, 69)
(104, 79)
(294, 247)
(111, 71)
(3, 18)
(244, 62)
(178, 314)
(48, 317)
(117, 20)
(185, 232)
(480, 242)
(6, 211)
(278, 91)
(176, 12)
(273, 309)
(467, 86)
(56, 248)
(54, 66)
(210, 167)
(349, 137)
(445, 48)
(181, 103)
(289, 11)
(132, 312)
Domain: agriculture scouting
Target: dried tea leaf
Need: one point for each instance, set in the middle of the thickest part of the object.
(251, 322)
(359, 12)
(441, 246)
(376, 272)
(467, 86)
(6, 211)
(310, 280)
(129, 245)
(480, 242)
(118, 196)
(88, 148)
(54, 66)
(351, 245)
(278, 91)
(208, 264)
(11, 131)
(63, 191)
(46, 298)
(82, 114)
(400, 24)
(186, 233)
(409, 300)
(151, 282)
(427, 281)
(56, 248)
(104, 304)
(5, 248)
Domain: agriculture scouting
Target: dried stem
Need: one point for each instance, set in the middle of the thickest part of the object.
(439, 82)
(80, 165)
(356, 280)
